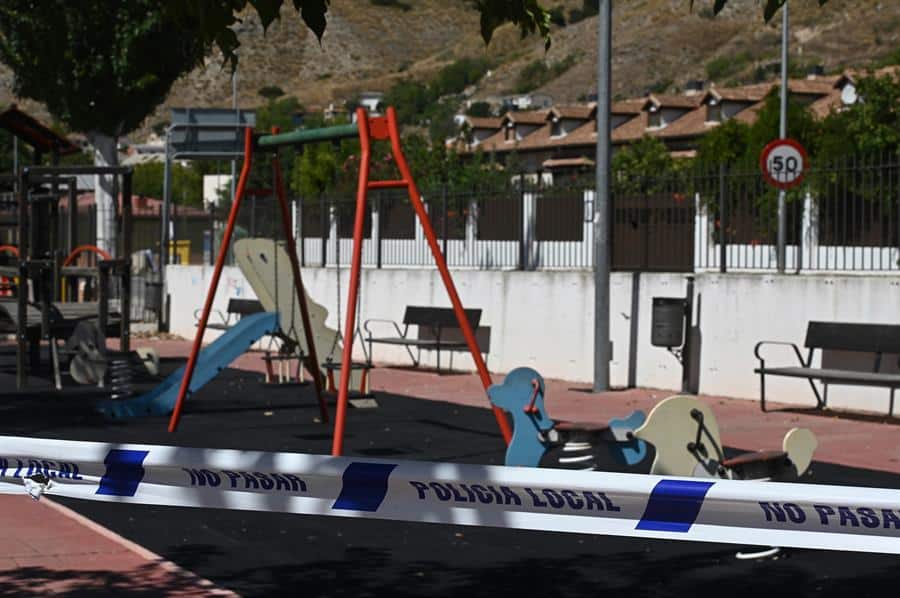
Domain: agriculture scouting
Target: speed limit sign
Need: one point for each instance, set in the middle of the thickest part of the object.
(783, 163)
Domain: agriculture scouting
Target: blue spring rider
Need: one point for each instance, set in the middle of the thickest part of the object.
(522, 396)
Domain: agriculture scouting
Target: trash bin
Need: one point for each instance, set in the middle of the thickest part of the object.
(667, 322)
(180, 252)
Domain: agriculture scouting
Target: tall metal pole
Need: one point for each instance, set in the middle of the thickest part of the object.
(782, 133)
(237, 121)
(602, 347)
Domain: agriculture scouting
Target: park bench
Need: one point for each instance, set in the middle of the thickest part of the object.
(438, 330)
(852, 354)
(237, 308)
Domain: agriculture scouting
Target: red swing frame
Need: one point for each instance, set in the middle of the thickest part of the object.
(281, 194)
(380, 128)
(384, 128)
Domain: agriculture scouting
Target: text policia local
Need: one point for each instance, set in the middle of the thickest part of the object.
(504, 495)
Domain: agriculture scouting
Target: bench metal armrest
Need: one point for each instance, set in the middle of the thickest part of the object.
(225, 318)
(782, 343)
(400, 333)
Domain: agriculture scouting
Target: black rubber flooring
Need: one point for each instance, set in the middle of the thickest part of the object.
(261, 554)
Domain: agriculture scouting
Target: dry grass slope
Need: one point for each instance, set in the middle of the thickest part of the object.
(657, 44)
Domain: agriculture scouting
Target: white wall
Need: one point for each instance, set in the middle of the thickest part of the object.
(545, 319)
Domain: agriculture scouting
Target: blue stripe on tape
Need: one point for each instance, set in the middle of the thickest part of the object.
(674, 505)
(124, 471)
(365, 486)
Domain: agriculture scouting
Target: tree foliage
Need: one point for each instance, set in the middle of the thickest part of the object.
(98, 65)
(642, 167)
(187, 182)
(870, 125)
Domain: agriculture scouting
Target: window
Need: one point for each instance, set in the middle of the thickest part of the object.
(654, 119)
(714, 112)
(510, 132)
(556, 128)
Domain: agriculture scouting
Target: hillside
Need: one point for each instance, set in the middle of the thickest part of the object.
(658, 44)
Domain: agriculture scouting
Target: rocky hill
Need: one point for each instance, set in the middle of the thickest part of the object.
(658, 45)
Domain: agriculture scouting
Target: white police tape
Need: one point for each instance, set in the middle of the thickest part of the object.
(642, 506)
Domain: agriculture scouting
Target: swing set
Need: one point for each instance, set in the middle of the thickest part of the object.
(367, 129)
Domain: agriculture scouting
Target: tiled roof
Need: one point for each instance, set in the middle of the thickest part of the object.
(577, 111)
(691, 124)
(747, 93)
(628, 106)
(483, 122)
(827, 104)
(819, 85)
(497, 143)
(750, 114)
(673, 101)
(631, 130)
(527, 117)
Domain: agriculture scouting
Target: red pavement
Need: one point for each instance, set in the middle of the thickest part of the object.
(47, 548)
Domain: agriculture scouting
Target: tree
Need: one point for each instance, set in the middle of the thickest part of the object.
(99, 66)
(479, 109)
(643, 167)
(870, 125)
(187, 182)
(270, 92)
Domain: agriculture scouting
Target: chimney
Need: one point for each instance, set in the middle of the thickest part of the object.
(694, 86)
(816, 70)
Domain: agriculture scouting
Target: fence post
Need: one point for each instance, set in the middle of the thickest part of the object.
(723, 221)
(472, 228)
(326, 230)
(334, 232)
(809, 242)
(444, 218)
(376, 229)
(298, 231)
(523, 223)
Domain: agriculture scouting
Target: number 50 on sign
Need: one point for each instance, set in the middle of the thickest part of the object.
(784, 163)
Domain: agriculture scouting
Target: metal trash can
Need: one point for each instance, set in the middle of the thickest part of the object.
(667, 322)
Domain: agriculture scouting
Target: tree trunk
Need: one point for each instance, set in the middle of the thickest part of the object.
(105, 191)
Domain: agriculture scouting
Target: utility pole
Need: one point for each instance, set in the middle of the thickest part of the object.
(782, 133)
(237, 122)
(602, 346)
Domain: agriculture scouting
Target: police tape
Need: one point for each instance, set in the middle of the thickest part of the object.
(641, 506)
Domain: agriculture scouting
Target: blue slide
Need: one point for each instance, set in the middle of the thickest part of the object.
(212, 360)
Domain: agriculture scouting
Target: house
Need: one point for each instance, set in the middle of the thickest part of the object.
(371, 101)
(563, 139)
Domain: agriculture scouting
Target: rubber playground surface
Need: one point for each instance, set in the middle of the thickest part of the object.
(150, 550)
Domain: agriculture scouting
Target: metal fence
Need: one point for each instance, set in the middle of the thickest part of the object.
(845, 217)
(507, 228)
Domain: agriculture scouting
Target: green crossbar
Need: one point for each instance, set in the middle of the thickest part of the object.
(310, 135)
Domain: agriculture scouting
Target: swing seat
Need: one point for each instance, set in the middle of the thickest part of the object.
(331, 366)
(284, 376)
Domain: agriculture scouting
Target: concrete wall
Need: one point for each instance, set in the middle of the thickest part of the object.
(545, 320)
